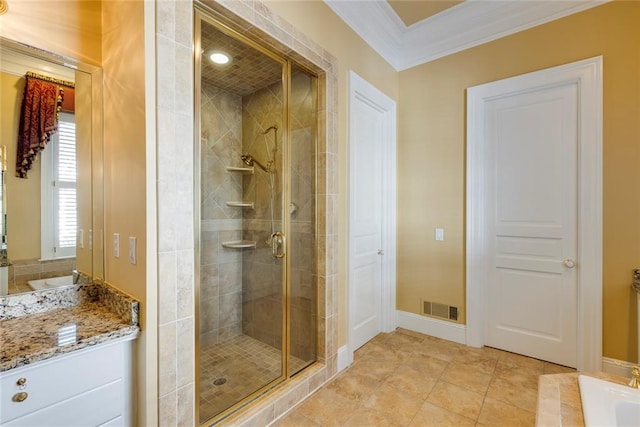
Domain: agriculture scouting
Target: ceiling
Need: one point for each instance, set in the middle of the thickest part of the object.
(412, 11)
(407, 33)
(248, 71)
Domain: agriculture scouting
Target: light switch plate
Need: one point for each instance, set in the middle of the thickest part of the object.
(116, 245)
(439, 234)
(132, 250)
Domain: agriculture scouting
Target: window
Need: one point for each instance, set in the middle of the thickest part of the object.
(59, 208)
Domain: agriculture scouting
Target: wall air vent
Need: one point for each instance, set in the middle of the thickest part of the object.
(430, 308)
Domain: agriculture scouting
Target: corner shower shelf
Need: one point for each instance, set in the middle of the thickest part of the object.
(241, 170)
(240, 244)
(240, 204)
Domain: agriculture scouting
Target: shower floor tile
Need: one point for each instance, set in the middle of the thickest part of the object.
(239, 367)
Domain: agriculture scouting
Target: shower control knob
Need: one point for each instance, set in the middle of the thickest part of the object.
(569, 263)
(380, 252)
(278, 244)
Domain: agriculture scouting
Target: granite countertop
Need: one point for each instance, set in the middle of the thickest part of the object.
(559, 401)
(40, 325)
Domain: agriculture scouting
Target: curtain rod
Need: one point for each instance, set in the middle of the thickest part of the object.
(50, 79)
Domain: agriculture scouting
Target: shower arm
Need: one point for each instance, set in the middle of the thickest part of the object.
(261, 166)
(250, 161)
(274, 128)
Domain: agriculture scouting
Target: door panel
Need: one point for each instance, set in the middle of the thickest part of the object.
(372, 206)
(537, 290)
(366, 265)
(532, 223)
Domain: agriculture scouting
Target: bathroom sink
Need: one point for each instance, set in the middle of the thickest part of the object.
(52, 282)
(59, 281)
(608, 404)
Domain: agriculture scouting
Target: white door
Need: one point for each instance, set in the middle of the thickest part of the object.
(371, 290)
(534, 166)
(531, 219)
(366, 225)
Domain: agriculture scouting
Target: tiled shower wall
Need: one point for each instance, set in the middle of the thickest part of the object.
(262, 274)
(175, 118)
(220, 268)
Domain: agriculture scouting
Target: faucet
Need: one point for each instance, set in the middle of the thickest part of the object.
(635, 377)
(4, 260)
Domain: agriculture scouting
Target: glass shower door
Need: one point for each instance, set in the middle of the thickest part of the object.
(241, 298)
(302, 289)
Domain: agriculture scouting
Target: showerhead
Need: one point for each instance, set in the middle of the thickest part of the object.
(269, 129)
(250, 161)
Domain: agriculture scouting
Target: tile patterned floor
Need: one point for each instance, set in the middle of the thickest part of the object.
(409, 379)
(245, 363)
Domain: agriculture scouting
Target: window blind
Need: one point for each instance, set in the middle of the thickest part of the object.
(65, 205)
(59, 199)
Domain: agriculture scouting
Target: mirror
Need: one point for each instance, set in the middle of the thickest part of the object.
(52, 220)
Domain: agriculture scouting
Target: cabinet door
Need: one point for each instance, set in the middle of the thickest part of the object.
(93, 408)
(85, 387)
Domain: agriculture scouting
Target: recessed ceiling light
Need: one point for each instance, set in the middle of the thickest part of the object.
(219, 57)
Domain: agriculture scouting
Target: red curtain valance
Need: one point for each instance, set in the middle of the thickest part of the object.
(41, 102)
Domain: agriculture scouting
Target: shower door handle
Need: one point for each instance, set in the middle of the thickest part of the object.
(278, 244)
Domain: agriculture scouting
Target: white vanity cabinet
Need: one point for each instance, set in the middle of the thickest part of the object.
(87, 387)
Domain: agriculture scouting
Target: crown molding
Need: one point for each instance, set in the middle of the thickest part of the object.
(376, 23)
(465, 25)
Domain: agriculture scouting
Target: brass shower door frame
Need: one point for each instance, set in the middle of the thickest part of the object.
(202, 13)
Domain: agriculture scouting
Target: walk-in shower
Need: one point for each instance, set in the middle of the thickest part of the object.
(257, 276)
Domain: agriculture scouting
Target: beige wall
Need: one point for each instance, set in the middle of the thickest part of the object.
(124, 142)
(23, 210)
(123, 63)
(71, 28)
(84, 111)
(316, 20)
(431, 157)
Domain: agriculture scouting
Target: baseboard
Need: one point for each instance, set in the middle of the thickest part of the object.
(345, 358)
(430, 326)
(617, 367)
